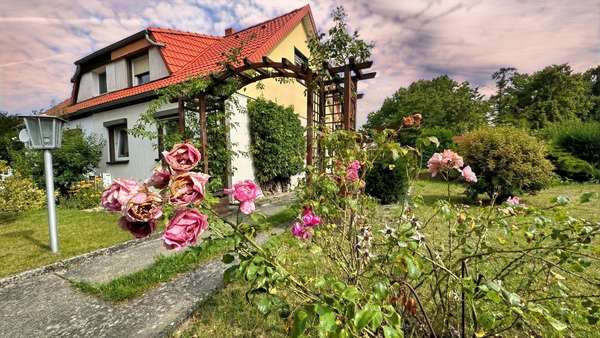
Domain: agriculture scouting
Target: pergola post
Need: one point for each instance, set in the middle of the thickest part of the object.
(320, 150)
(347, 97)
(181, 116)
(202, 111)
(309, 121)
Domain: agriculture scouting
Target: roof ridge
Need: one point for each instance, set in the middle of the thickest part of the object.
(180, 32)
(272, 19)
(223, 40)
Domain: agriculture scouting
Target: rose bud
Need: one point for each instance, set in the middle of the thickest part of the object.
(182, 158)
(138, 229)
(143, 207)
(118, 193)
(160, 178)
(245, 192)
(188, 188)
(184, 228)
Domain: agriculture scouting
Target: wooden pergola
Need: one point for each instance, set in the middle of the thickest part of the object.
(330, 103)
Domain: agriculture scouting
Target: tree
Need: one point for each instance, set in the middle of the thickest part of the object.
(552, 94)
(78, 155)
(8, 135)
(503, 78)
(592, 77)
(442, 101)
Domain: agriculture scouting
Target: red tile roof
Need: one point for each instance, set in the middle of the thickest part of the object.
(190, 54)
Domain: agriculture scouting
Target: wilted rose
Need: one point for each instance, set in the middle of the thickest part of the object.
(184, 228)
(144, 206)
(160, 178)
(118, 193)
(138, 229)
(188, 188)
(183, 157)
(245, 192)
(300, 231)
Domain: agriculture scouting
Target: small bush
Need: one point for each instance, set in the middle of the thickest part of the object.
(83, 195)
(387, 181)
(581, 139)
(277, 143)
(443, 135)
(18, 193)
(570, 167)
(507, 161)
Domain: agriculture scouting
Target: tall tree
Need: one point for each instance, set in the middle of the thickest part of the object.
(442, 101)
(592, 76)
(500, 100)
(552, 94)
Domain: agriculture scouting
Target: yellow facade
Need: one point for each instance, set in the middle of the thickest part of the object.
(290, 93)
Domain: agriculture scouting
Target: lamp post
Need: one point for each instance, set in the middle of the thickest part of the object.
(44, 132)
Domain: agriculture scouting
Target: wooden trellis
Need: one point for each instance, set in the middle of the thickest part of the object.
(329, 104)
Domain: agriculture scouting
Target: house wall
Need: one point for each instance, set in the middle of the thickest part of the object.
(292, 92)
(158, 69)
(142, 152)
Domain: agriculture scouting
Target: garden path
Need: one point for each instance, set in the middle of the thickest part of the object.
(45, 305)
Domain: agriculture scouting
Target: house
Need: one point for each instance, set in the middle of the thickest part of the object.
(114, 85)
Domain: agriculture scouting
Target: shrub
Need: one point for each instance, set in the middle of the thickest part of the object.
(18, 193)
(581, 139)
(444, 137)
(387, 181)
(507, 161)
(83, 195)
(78, 155)
(277, 142)
(570, 167)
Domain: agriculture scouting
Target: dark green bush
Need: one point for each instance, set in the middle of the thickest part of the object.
(581, 139)
(78, 155)
(507, 161)
(443, 135)
(571, 167)
(387, 181)
(277, 143)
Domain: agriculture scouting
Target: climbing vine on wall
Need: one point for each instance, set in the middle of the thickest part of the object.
(277, 143)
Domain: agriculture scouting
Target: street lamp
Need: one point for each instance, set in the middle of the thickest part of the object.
(45, 132)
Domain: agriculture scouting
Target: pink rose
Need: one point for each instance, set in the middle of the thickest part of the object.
(451, 159)
(513, 200)
(468, 174)
(184, 228)
(138, 229)
(309, 219)
(434, 165)
(183, 157)
(143, 207)
(300, 231)
(352, 171)
(160, 178)
(245, 192)
(118, 193)
(188, 188)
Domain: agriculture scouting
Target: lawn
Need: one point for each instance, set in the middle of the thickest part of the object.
(228, 314)
(24, 238)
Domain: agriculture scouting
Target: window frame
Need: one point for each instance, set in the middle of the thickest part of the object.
(299, 54)
(161, 132)
(133, 78)
(114, 129)
(100, 73)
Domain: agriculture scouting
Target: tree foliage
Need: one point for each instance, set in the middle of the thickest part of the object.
(552, 94)
(442, 101)
(78, 155)
(277, 142)
(592, 76)
(8, 135)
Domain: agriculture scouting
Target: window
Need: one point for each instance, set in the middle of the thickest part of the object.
(168, 126)
(118, 141)
(102, 83)
(300, 60)
(140, 70)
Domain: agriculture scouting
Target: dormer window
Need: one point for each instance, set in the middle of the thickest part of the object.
(140, 70)
(102, 82)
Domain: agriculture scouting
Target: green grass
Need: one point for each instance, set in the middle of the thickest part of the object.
(166, 268)
(227, 314)
(24, 238)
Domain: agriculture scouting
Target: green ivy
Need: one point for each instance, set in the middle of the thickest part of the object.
(277, 142)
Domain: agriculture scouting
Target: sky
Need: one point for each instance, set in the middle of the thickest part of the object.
(414, 39)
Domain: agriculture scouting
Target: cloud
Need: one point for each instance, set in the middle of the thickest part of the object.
(467, 39)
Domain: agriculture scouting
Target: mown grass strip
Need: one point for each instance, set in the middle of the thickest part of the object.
(166, 268)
